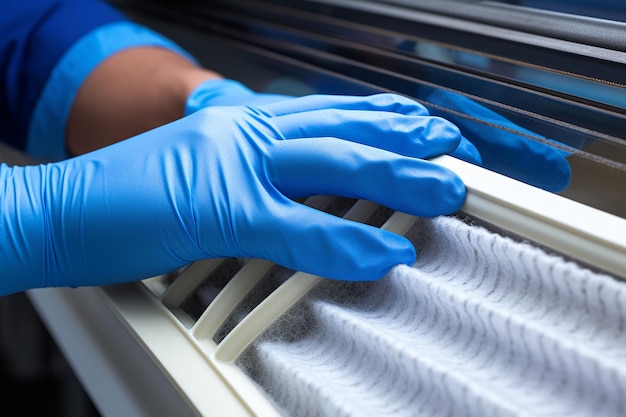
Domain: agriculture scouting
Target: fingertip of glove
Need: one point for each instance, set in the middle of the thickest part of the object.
(453, 195)
(439, 135)
(446, 195)
(374, 263)
(398, 104)
(445, 129)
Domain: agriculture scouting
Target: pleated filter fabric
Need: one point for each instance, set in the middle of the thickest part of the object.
(481, 325)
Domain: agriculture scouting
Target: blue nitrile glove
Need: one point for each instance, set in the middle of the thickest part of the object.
(466, 151)
(502, 150)
(225, 92)
(221, 183)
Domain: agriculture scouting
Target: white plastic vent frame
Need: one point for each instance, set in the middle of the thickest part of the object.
(202, 374)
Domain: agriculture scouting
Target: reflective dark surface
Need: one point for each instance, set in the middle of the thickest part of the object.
(600, 9)
(552, 114)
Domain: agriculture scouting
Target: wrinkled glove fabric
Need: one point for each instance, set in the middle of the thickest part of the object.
(222, 182)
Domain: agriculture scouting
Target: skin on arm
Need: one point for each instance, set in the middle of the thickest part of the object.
(130, 92)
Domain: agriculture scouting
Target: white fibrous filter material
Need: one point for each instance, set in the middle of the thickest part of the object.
(481, 325)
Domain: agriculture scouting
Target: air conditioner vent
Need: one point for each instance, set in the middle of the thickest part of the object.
(274, 278)
(190, 291)
(200, 298)
(480, 325)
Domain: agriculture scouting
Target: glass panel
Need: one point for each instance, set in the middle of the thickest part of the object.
(554, 119)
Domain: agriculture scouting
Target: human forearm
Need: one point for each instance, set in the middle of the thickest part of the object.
(132, 91)
(116, 81)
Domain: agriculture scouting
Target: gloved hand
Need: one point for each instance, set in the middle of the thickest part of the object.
(221, 183)
(225, 92)
(501, 149)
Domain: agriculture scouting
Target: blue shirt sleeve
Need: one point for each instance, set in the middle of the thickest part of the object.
(47, 50)
(35, 34)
